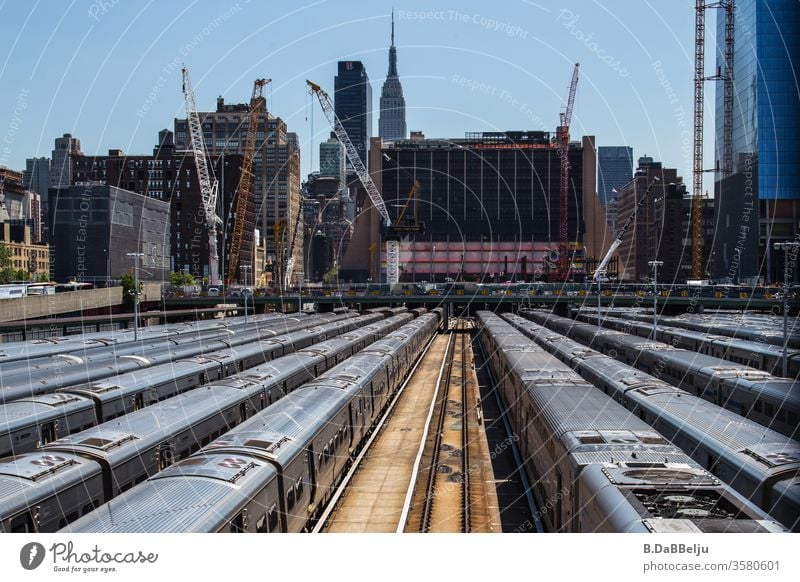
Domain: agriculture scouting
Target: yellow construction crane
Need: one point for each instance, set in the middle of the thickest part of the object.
(278, 230)
(245, 189)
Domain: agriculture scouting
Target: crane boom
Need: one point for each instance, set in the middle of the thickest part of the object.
(392, 246)
(209, 187)
(352, 154)
(618, 240)
(562, 138)
(246, 179)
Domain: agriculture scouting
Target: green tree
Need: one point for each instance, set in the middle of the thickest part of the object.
(128, 282)
(6, 272)
(331, 276)
(180, 278)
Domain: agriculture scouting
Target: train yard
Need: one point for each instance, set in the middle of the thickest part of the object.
(392, 420)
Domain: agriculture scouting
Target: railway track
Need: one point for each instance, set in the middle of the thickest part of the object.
(445, 503)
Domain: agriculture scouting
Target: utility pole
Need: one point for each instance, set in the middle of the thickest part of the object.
(655, 265)
(244, 269)
(788, 248)
(136, 257)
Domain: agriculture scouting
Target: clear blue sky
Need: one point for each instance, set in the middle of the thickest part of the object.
(108, 71)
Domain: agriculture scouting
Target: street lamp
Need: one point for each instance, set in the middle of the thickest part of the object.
(599, 275)
(244, 269)
(433, 258)
(136, 257)
(787, 248)
(655, 265)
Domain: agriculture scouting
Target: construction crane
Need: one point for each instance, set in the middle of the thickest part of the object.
(290, 253)
(392, 245)
(725, 75)
(278, 230)
(209, 187)
(562, 141)
(3, 211)
(246, 180)
(618, 240)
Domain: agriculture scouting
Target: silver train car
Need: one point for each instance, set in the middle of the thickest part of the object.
(771, 401)
(595, 466)
(22, 355)
(29, 423)
(115, 456)
(81, 344)
(761, 464)
(766, 357)
(276, 471)
(71, 370)
(767, 329)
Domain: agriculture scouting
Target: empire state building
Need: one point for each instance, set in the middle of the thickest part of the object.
(392, 121)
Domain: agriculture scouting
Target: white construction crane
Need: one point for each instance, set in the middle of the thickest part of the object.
(392, 246)
(209, 187)
(601, 268)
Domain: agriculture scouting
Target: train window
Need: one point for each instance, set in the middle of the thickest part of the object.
(87, 508)
(290, 499)
(261, 524)
(768, 409)
(319, 459)
(237, 523)
(791, 418)
(299, 487)
(23, 523)
(272, 518)
(72, 517)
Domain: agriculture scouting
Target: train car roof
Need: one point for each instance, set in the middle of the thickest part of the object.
(194, 495)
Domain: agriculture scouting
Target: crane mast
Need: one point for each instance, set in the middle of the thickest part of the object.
(246, 179)
(209, 187)
(562, 140)
(392, 246)
(618, 240)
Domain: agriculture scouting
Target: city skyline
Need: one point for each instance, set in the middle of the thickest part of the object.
(465, 68)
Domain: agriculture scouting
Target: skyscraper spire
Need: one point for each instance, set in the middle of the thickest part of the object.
(392, 53)
(392, 122)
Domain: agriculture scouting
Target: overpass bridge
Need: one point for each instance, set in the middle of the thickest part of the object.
(467, 303)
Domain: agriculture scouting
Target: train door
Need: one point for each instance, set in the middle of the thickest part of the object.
(165, 456)
(350, 420)
(312, 474)
(138, 401)
(47, 433)
(242, 411)
(559, 496)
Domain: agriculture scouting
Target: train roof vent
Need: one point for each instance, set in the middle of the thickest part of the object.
(773, 455)
(145, 363)
(591, 440)
(108, 443)
(68, 358)
(102, 387)
(258, 444)
(694, 505)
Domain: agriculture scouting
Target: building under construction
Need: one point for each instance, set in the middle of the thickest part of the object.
(490, 207)
(276, 200)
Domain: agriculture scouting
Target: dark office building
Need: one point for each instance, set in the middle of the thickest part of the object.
(353, 104)
(94, 226)
(171, 175)
(640, 244)
(758, 196)
(614, 170)
(489, 203)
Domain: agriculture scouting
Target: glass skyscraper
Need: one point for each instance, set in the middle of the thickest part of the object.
(353, 104)
(757, 203)
(614, 170)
